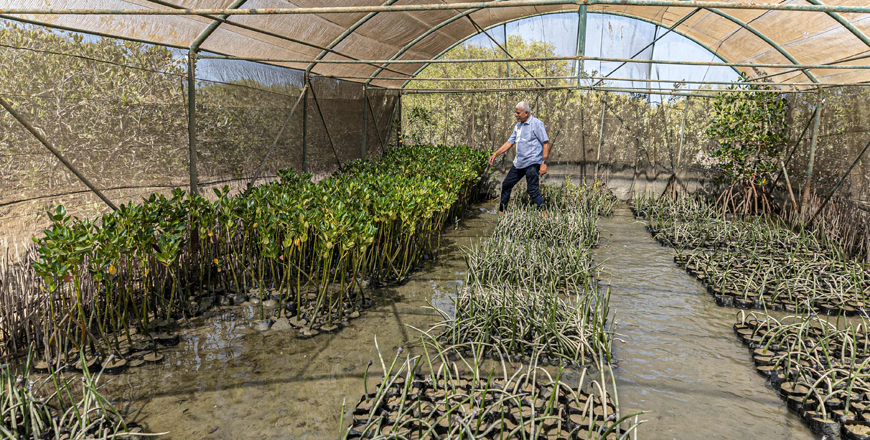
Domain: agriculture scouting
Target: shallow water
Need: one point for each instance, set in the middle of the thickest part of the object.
(680, 360)
(226, 381)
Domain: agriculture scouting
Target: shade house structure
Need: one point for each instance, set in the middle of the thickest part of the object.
(112, 105)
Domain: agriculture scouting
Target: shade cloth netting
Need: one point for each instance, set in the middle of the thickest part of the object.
(737, 35)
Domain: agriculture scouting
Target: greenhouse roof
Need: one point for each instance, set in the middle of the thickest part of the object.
(794, 41)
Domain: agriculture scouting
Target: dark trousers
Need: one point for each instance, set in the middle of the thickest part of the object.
(532, 174)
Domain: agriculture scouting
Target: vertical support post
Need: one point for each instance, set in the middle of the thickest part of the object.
(305, 125)
(581, 42)
(365, 133)
(191, 120)
(473, 119)
(583, 135)
(652, 53)
(793, 149)
(508, 63)
(682, 136)
(788, 185)
(805, 199)
(390, 124)
(600, 136)
(400, 128)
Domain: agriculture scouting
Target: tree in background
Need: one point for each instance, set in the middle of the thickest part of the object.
(750, 130)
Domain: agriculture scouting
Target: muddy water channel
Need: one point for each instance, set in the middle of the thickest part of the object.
(680, 359)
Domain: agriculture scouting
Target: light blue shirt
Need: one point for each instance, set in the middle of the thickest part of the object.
(529, 137)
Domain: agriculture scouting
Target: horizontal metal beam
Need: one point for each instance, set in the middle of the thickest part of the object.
(562, 58)
(785, 72)
(764, 38)
(442, 7)
(645, 91)
(608, 78)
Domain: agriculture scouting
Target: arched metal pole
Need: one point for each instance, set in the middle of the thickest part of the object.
(456, 17)
(766, 39)
(440, 6)
(420, 38)
(347, 32)
(845, 23)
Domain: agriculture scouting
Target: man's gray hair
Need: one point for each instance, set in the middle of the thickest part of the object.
(523, 106)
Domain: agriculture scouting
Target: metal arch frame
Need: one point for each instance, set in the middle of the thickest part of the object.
(845, 23)
(420, 38)
(619, 14)
(251, 29)
(816, 5)
(347, 32)
(441, 6)
(766, 39)
(191, 93)
(203, 36)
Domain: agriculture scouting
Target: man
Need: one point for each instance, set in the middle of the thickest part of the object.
(533, 148)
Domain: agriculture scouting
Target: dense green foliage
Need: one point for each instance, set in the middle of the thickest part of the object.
(750, 130)
(312, 246)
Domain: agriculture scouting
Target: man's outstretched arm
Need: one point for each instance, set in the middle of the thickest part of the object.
(546, 156)
(506, 146)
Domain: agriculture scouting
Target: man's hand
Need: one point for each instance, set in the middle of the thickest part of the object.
(492, 158)
(543, 169)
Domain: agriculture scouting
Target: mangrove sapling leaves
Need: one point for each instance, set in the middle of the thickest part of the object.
(291, 238)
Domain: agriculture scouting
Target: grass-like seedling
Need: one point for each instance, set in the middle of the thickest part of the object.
(819, 366)
(519, 324)
(429, 397)
(518, 278)
(58, 408)
(757, 262)
(594, 198)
